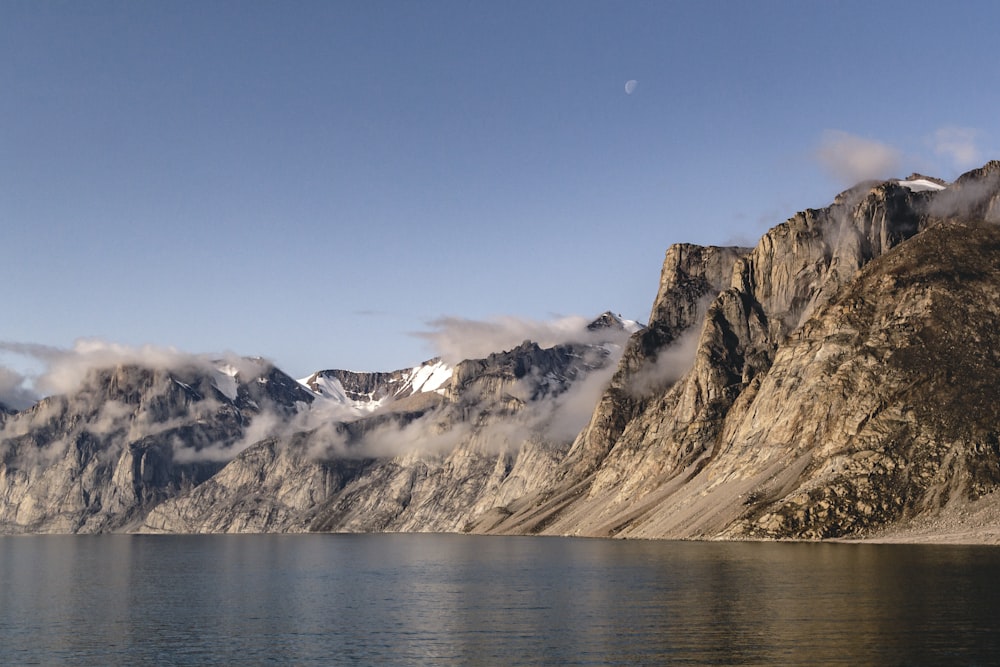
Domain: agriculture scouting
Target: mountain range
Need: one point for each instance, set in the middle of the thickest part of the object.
(837, 380)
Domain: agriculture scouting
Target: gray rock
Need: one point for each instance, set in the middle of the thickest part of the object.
(127, 439)
(794, 423)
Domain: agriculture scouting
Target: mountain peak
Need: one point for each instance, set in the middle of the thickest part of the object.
(608, 320)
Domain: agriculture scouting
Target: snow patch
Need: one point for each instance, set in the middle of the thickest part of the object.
(921, 185)
(632, 326)
(331, 389)
(428, 377)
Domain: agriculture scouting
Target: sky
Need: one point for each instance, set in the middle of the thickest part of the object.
(341, 184)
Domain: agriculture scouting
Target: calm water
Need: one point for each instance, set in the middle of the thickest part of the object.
(462, 600)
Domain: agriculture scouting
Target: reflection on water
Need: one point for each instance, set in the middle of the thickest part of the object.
(462, 600)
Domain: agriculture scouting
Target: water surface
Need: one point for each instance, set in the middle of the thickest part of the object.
(466, 600)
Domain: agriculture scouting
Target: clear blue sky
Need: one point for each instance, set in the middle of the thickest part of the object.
(314, 182)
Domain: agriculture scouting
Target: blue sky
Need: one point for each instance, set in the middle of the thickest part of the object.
(317, 182)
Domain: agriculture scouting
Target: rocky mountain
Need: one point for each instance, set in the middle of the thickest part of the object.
(837, 380)
(844, 382)
(361, 393)
(498, 429)
(129, 437)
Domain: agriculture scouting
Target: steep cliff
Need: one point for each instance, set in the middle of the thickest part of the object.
(797, 421)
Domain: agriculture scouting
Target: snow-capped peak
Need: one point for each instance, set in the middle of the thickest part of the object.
(431, 376)
(608, 320)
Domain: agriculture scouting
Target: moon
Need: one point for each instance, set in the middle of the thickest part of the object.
(630, 86)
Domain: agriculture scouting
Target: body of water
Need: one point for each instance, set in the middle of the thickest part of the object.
(467, 600)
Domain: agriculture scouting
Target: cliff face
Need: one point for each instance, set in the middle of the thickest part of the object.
(658, 355)
(823, 400)
(884, 403)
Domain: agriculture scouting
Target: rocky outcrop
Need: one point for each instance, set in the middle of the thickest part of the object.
(974, 196)
(656, 356)
(884, 404)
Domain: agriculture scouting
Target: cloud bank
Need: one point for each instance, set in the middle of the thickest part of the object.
(669, 365)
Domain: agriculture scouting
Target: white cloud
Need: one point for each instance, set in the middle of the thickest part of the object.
(851, 159)
(456, 339)
(959, 145)
(563, 417)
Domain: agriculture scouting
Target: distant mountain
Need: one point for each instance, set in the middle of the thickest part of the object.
(837, 380)
(128, 438)
(363, 393)
(478, 435)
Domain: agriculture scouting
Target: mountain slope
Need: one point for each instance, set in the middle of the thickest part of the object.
(363, 393)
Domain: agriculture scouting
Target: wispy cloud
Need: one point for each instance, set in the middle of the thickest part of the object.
(455, 339)
(959, 145)
(850, 159)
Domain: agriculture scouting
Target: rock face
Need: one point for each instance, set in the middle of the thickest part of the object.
(362, 393)
(837, 380)
(130, 437)
(831, 390)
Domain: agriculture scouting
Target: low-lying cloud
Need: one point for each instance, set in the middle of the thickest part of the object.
(563, 417)
(669, 365)
(971, 198)
(455, 339)
(65, 369)
(557, 418)
(14, 391)
(549, 412)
